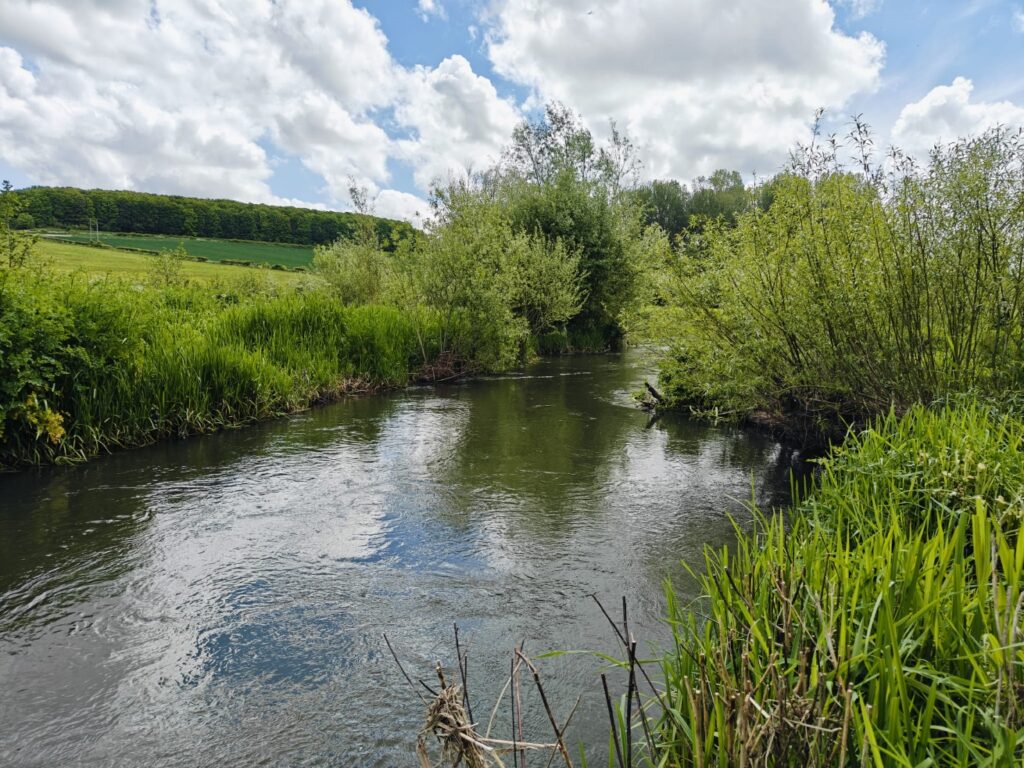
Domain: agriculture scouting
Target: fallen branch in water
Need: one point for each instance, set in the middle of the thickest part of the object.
(450, 730)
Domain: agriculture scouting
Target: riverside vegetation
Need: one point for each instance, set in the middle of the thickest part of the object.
(542, 252)
(880, 621)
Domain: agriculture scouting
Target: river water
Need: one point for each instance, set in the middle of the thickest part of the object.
(220, 601)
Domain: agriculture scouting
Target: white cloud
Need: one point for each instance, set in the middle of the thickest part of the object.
(861, 8)
(458, 119)
(109, 93)
(947, 113)
(428, 8)
(698, 87)
(1018, 18)
(393, 204)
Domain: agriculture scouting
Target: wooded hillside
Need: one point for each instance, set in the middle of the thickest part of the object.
(117, 211)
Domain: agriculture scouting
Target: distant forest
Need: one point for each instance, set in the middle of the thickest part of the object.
(145, 213)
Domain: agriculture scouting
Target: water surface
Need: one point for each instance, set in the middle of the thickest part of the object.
(220, 601)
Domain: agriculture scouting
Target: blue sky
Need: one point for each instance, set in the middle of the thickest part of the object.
(295, 101)
(929, 44)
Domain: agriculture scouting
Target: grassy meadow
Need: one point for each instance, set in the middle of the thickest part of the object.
(71, 257)
(281, 254)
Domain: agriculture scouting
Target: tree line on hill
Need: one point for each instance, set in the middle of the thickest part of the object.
(145, 213)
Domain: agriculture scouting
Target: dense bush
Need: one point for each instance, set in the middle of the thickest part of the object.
(492, 288)
(543, 252)
(856, 291)
(558, 183)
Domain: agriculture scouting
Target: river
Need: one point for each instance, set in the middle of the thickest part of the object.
(220, 601)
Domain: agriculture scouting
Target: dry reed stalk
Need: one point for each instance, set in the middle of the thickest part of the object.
(450, 730)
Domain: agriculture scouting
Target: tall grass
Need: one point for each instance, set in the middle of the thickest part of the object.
(881, 624)
(88, 365)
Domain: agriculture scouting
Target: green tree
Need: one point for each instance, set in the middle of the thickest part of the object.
(667, 204)
(557, 182)
(542, 150)
(15, 247)
(723, 195)
(492, 285)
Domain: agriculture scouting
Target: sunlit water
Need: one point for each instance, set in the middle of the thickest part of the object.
(220, 601)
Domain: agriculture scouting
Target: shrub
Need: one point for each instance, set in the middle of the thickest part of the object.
(854, 292)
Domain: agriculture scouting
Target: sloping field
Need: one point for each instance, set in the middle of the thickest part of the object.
(105, 261)
(285, 255)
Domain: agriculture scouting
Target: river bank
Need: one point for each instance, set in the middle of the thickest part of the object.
(878, 621)
(90, 365)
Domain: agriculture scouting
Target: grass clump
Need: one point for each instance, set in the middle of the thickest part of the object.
(882, 623)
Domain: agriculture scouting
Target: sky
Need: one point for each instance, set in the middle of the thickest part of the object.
(294, 101)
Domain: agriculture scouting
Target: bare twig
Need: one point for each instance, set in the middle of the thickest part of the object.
(611, 720)
(547, 709)
(406, 674)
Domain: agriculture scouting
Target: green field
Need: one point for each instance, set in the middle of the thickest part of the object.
(283, 254)
(70, 256)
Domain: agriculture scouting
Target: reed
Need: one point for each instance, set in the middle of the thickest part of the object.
(881, 623)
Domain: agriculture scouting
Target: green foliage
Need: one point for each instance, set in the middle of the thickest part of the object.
(721, 197)
(543, 150)
(558, 183)
(23, 221)
(31, 334)
(87, 365)
(545, 285)
(854, 292)
(463, 272)
(117, 211)
(881, 624)
(667, 204)
(499, 282)
(168, 266)
(357, 272)
(601, 230)
(15, 247)
(489, 287)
